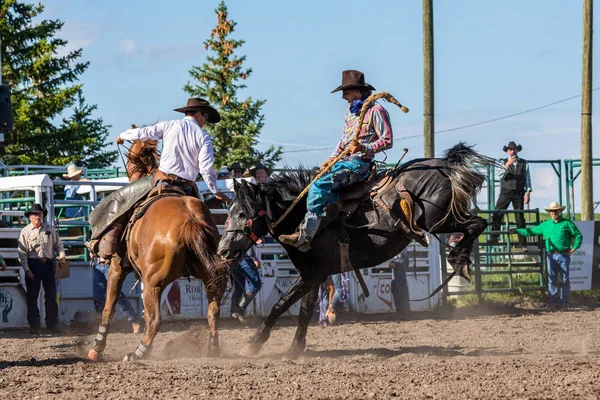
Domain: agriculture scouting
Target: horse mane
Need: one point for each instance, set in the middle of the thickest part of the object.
(141, 161)
(282, 187)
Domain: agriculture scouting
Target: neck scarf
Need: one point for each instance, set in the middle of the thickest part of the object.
(356, 105)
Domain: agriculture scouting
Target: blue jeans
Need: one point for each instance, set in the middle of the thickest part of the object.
(337, 294)
(320, 195)
(44, 275)
(100, 285)
(558, 266)
(244, 271)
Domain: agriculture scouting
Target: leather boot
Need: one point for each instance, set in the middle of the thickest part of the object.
(108, 243)
(301, 239)
(246, 300)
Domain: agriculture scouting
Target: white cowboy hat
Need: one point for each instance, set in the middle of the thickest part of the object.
(554, 206)
(72, 171)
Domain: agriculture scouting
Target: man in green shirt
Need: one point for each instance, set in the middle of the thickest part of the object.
(562, 238)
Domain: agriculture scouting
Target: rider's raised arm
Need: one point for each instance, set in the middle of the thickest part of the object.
(383, 130)
(206, 162)
(154, 132)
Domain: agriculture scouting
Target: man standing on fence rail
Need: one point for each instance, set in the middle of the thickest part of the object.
(37, 244)
(562, 239)
(516, 189)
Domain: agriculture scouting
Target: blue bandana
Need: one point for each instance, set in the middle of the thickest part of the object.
(356, 105)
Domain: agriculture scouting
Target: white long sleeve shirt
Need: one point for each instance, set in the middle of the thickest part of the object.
(187, 149)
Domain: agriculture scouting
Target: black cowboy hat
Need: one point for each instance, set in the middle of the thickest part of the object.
(236, 165)
(353, 79)
(35, 208)
(196, 104)
(259, 166)
(512, 145)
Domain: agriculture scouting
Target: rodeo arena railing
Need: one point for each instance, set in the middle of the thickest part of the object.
(501, 267)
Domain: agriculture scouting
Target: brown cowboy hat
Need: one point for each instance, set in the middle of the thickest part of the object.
(554, 206)
(353, 79)
(512, 145)
(197, 104)
(35, 208)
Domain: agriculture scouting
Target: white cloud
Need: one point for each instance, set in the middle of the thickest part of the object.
(127, 46)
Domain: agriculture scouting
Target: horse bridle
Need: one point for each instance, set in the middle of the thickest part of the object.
(248, 227)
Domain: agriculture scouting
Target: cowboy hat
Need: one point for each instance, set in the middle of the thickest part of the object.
(512, 145)
(35, 208)
(236, 165)
(197, 104)
(258, 166)
(554, 206)
(353, 79)
(72, 171)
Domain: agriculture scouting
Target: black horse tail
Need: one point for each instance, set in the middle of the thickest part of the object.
(201, 239)
(460, 163)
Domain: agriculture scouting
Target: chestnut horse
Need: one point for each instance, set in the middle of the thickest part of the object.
(176, 237)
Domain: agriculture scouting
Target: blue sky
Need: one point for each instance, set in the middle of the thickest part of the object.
(491, 59)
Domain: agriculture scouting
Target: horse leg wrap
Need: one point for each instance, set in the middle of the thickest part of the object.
(100, 340)
(142, 350)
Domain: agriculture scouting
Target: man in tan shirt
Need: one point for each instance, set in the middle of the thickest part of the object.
(37, 244)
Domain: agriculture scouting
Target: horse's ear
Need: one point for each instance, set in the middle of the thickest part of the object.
(236, 184)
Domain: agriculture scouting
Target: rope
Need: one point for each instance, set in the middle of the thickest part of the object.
(381, 95)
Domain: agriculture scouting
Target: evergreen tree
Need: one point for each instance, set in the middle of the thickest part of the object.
(218, 80)
(52, 123)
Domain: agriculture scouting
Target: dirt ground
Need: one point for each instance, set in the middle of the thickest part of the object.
(478, 352)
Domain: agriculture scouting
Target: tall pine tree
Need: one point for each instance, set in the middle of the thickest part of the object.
(218, 80)
(52, 123)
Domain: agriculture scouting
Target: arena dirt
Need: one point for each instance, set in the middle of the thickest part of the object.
(480, 352)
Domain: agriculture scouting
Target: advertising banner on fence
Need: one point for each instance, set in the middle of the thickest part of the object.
(584, 270)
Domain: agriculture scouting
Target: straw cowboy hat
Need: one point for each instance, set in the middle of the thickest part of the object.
(554, 206)
(258, 166)
(72, 171)
(353, 79)
(512, 145)
(197, 104)
(35, 208)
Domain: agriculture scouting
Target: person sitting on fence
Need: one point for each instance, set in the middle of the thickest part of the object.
(375, 136)
(100, 281)
(562, 239)
(236, 170)
(38, 243)
(260, 172)
(73, 174)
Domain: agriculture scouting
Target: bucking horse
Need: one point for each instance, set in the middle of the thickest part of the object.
(377, 221)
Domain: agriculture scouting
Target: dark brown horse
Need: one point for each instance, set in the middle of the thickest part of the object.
(177, 236)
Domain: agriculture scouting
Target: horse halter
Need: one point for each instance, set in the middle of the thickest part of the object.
(249, 227)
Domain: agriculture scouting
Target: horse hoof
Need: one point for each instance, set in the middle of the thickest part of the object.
(213, 352)
(130, 357)
(292, 353)
(93, 355)
(250, 350)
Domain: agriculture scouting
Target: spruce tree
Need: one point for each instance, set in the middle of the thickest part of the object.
(218, 80)
(52, 123)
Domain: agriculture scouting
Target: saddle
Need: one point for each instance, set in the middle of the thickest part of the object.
(381, 189)
(157, 193)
